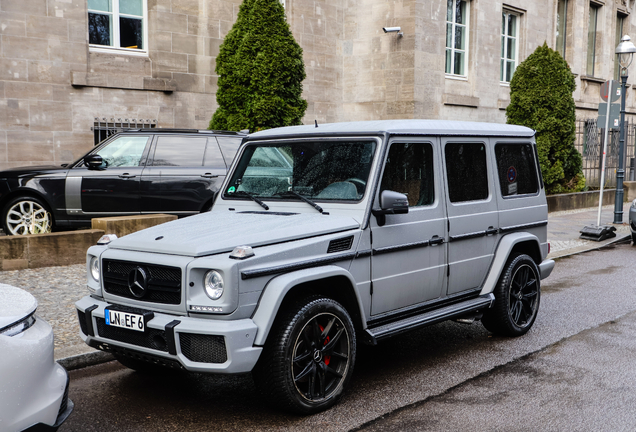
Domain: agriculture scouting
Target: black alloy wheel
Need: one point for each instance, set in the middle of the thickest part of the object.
(517, 298)
(308, 358)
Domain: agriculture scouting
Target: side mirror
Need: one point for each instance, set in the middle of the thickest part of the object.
(391, 202)
(93, 161)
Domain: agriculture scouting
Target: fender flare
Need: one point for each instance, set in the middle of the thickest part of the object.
(278, 287)
(502, 253)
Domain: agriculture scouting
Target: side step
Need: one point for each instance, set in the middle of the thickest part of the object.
(427, 318)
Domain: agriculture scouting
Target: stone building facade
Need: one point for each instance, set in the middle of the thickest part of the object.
(62, 66)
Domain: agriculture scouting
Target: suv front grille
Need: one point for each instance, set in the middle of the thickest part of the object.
(203, 348)
(151, 338)
(163, 283)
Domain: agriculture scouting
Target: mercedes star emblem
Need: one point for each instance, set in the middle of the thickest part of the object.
(138, 282)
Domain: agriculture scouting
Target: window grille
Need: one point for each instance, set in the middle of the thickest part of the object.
(103, 127)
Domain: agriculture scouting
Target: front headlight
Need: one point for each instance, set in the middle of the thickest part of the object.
(213, 283)
(94, 266)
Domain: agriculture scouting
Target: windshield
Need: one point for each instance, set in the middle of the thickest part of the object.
(319, 170)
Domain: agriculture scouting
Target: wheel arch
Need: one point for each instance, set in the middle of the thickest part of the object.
(331, 281)
(32, 193)
(524, 243)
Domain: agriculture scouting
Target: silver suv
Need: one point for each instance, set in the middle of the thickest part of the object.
(324, 237)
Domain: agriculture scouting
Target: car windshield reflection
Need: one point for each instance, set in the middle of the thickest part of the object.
(318, 170)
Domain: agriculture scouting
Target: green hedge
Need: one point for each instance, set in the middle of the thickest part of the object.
(541, 98)
(261, 69)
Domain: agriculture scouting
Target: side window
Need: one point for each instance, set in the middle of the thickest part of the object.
(179, 151)
(409, 170)
(213, 157)
(516, 169)
(466, 172)
(229, 147)
(125, 151)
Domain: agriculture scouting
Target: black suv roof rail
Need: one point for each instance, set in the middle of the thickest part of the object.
(173, 130)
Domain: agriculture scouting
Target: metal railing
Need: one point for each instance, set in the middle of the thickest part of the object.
(103, 127)
(589, 142)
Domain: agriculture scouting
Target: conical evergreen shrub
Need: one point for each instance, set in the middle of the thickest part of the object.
(541, 98)
(261, 69)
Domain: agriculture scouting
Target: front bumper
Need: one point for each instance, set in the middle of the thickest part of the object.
(195, 344)
(632, 219)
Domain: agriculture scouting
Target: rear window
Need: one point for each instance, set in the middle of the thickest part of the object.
(516, 169)
(179, 151)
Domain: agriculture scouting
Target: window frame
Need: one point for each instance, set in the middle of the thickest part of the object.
(115, 15)
(504, 39)
(590, 64)
(452, 48)
(562, 27)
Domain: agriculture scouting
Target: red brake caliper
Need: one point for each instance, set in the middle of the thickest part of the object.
(327, 358)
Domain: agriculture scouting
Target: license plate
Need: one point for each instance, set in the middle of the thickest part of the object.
(124, 320)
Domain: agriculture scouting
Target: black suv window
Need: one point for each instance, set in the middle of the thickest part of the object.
(125, 151)
(229, 146)
(179, 151)
(409, 170)
(213, 156)
(466, 171)
(516, 169)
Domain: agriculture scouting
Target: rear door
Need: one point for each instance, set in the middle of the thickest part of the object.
(472, 211)
(183, 174)
(409, 252)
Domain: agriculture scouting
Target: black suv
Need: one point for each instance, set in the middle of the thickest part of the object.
(138, 171)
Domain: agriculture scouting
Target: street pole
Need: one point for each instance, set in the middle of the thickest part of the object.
(620, 172)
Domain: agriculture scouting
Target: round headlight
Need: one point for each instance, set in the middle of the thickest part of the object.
(94, 266)
(213, 283)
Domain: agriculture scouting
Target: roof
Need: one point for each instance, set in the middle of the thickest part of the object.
(182, 131)
(403, 127)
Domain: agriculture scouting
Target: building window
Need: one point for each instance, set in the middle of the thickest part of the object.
(117, 23)
(456, 37)
(103, 128)
(620, 22)
(509, 44)
(591, 39)
(561, 30)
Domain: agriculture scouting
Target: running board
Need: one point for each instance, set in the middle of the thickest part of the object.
(427, 318)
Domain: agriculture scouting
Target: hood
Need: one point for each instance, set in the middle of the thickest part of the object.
(212, 233)
(15, 305)
(31, 170)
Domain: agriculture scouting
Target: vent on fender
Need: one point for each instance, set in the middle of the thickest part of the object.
(340, 245)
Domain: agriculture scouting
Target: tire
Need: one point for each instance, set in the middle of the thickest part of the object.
(634, 239)
(517, 298)
(308, 358)
(26, 215)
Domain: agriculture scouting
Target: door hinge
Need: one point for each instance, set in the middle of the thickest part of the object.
(447, 270)
(448, 224)
(371, 289)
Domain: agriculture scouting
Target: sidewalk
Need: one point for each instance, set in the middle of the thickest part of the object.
(58, 288)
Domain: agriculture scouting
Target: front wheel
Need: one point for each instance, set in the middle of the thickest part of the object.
(308, 358)
(26, 215)
(517, 297)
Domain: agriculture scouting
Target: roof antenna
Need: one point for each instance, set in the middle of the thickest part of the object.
(316, 123)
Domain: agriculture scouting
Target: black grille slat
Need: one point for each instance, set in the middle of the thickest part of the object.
(203, 348)
(164, 282)
(340, 245)
(150, 338)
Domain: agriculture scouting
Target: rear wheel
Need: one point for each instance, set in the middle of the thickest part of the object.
(517, 298)
(308, 358)
(26, 215)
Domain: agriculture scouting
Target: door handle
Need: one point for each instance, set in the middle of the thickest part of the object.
(435, 240)
(491, 231)
(209, 175)
(127, 176)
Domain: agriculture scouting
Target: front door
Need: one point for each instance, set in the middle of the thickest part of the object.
(114, 187)
(472, 212)
(409, 250)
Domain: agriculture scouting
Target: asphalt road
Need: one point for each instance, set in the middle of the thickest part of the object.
(572, 371)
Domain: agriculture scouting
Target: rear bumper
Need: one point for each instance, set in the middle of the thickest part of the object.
(194, 344)
(545, 268)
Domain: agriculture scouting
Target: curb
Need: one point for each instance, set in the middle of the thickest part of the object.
(80, 361)
(624, 238)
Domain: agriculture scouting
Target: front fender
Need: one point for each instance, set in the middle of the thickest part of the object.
(276, 289)
(502, 253)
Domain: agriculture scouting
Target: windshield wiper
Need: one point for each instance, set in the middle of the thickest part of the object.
(250, 196)
(302, 198)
